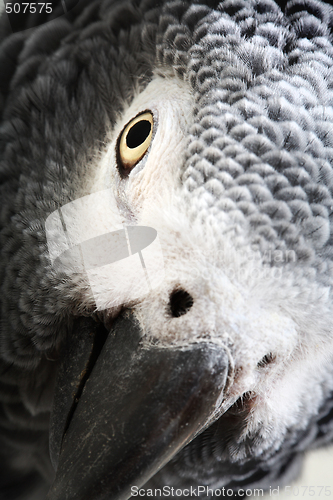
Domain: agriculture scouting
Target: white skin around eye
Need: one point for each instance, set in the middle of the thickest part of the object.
(171, 102)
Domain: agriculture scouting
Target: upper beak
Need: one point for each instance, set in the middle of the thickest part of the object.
(121, 416)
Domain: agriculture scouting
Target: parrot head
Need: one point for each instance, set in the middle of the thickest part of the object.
(166, 265)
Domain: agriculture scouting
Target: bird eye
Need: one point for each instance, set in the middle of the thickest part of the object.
(134, 142)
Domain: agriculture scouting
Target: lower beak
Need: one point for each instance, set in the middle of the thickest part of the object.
(139, 406)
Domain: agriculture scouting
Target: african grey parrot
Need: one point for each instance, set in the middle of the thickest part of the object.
(208, 125)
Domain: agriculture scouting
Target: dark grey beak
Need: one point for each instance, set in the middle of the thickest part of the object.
(131, 413)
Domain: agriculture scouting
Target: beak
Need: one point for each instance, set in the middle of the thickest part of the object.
(122, 410)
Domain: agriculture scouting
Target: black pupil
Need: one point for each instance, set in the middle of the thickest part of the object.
(138, 134)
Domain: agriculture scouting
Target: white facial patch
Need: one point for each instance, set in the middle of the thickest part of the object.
(98, 235)
(157, 174)
(122, 262)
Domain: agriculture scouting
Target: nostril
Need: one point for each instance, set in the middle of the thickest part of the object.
(180, 303)
(266, 360)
